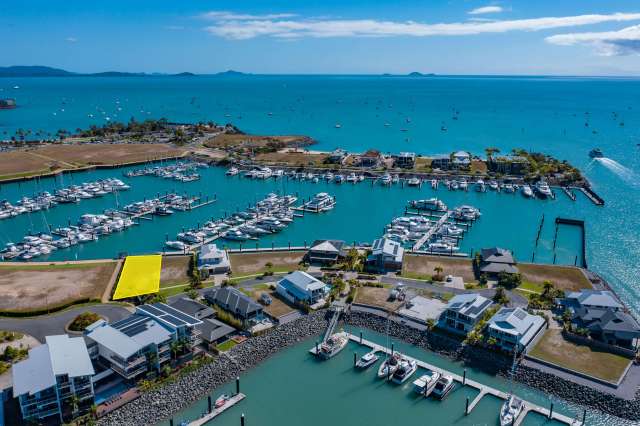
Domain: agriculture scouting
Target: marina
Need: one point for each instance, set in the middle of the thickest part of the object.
(181, 172)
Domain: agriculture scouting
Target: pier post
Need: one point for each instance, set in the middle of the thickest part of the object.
(464, 377)
(391, 349)
(242, 420)
(272, 246)
(551, 411)
(584, 416)
(355, 358)
(317, 350)
(466, 408)
(361, 337)
(289, 245)
(170, 422)
(209, 404)
(238, 384)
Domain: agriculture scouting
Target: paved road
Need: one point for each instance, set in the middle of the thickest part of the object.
(47, 325)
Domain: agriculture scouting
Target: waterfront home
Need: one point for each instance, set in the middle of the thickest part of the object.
(300, 287)
(326, 252)
(514, 329)
(461, 159)
(608, 325)
(236, 303)
(337, 156)
(54, 377)
(193, 308)
(213, 260)
(463, 312)
(496, 260)
(214, 331)
(386, 255)
(602, 299)
(405, 160)
(508, 165)
(441, 162)
(371, 159)
(142, 341)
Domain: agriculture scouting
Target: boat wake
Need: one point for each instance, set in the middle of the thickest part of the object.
(624, 173)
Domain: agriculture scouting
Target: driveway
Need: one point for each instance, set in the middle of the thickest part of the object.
(47, 325)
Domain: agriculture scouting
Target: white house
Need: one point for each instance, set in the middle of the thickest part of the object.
(463, 312)
(213, 260)
(299, 287)
(514, 328)
(461, 158)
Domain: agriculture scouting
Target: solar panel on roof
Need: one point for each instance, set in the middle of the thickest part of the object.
(520, 315)
(134, 329)
(123, 322)
(173, 320)
(151, 309)
(176, 313)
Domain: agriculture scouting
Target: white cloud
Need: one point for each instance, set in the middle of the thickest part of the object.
(71, 39)
(609, 43)
(485, 9)
(221, 15)
(242, 29)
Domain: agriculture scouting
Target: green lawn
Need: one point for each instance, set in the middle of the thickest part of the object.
(225, 346)
(415, 276)
(594, 362)
(52, 266)
(528, 286)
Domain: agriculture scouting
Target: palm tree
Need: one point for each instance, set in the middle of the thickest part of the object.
(490, 151)
(175, 348)
(548, 286)
(438, 270)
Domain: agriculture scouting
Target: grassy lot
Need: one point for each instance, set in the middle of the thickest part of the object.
(254, 263)
(529, 287)
(422, 267)
(225, 346)
(278, 306)
(603, 365)
(293, 158)
(432, 295)
(174, 271)
(422, 163)
(479, 167)
(226, 140)
(566, 278)
(32, 287)
(376, 297)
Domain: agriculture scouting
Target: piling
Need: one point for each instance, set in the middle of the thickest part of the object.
(355, 358)
(584, 416)
(170, 422)
(361, 337)
(209, 404)
(242, 420)
(551, 411)
(392, 349)
(464, 377)
(466, 408)
(238, 384)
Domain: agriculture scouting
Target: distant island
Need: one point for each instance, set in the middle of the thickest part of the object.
(411, 74)
(44, 71)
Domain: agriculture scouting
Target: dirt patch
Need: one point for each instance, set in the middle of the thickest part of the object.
(17, 163)
(254, 263)
(278, 307)
(567, 278)
(28, 288)
(423, 266)
(292, 158)
(108, 153)
(225, 140)
(174, 270)
(376, 297)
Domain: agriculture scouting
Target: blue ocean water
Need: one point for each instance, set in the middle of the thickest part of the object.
(565, 117)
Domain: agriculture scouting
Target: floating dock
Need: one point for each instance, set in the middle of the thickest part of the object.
(217, 411)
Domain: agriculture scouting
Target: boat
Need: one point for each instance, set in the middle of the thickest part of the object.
(414, 181)
(434, 183)
(179, 245)
(493, 185)
(320, 202)
(480, 186)
(511, 410)
(596, 153)
(443, 387)
(7, 103)
(463, 184)
(222, 399)
(386, 179)
(406, 370)
(432, 204)
(526, 191)
(367, 360)
(543, 189)
(338, 179)
(442, 248)
(389, 366)
(352, 178)
(333, 345)
(425, 384)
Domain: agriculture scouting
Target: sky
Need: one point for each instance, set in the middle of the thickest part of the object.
(541, 37)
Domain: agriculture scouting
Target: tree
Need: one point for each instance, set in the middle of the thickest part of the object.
(500, 296)
(438, 270)
(490, 151)
(193, 294)
(509, 280)
(352, 258)
(195, 281)
(492, 341)
(431, 323)
(268, 266)
(548, 287)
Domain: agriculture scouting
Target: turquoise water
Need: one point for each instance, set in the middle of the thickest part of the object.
(294, 388)
(546, 114)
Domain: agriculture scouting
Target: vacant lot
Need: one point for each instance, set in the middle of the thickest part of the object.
(254, 263)
(603, 365)
(174, 270)
(422, 267)
(376, 297)
(292, 158)
(33, 287)
(277, 308)
(225, 140)
(562, 277)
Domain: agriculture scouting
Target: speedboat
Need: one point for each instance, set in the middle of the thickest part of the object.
(432, 204)
(414, 181)
(179, 245)
(386, 179)
(511, 410)
(222, 399)
(443, 387)
(367, 360)
(389, 366)
(480, 186)
(406, 370)
(333, 345)
(596, 153)
(526, 191)
(425, 384)
(352, 178)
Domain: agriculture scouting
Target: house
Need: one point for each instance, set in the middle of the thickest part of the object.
(602, 299)
(514, 328)
(300, 287)
(237, 303)
(463, 312)
(337, 156)
(442, 162)
(405, 160)
(461, 159)
(386, 255)
(213, 260)
(370, 158)
(142, 341)
(326, 252)
(496, 260)
(193, 308)
(214, 331)
(52, 378)
(608, 325)
(508, 165)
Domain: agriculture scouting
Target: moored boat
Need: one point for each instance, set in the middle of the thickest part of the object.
(367, 360)
(442, 388)
(511, 410)
(425, 384)
(333, 345)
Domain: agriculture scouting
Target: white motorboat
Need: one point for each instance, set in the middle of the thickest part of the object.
(432, 204)
(443, 387)
(543, 189)
(414, 181)
(367, 360)
(352, 178)
(480, 187)
(526, 191)
(463, 184)
(338, 179)
(386, 179)
(178, 245)
(434, 183)
(320, 202)
(511, 410)
(389, 366)
(442, 248)
(425, 384)
(493, 185)
(235, 235)
(333, 345)
(406, 370)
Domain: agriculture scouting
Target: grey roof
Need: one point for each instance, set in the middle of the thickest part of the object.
(517, 322)
(189, 306)
(497, 255)
(168, 316)
(387, 247)
(469, 304)
(595, 298)
(213, 330)
(327, 246)
(211, 254)
(59, 355)
(606, 320)
(234, 300)
(302, 281)
(496, 268)
(130, 335)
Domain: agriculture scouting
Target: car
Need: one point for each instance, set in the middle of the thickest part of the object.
(265, 299)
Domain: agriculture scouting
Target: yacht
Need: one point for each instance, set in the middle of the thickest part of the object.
(480, 186)
(406, 370)
(333, 345)
(367, 360)
(352, 178)
(389, 366)
(543, 189)
(511, 410)
(320, 202)
(596, 153)
(434, 183)
(232, 171)
(338, 179)
(425, 384)
(235, 235)
(526, 191)
(386, 179)
(432, 204)
(509, 188)
(493, 185)
(443, 387)
(441, 248)
(463, 184)
(394, 179)
(414, 181)
(178, 245)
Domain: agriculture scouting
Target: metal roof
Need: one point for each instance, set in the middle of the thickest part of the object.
(233, 300)
(469, 304)
(596, 298)
(516, 322)
(213, 330)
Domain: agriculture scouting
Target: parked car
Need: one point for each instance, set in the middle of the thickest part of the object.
(265, 299)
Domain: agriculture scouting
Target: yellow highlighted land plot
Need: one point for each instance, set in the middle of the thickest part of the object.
(140, 275)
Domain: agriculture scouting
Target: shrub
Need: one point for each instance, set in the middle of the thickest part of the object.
(83, 320)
